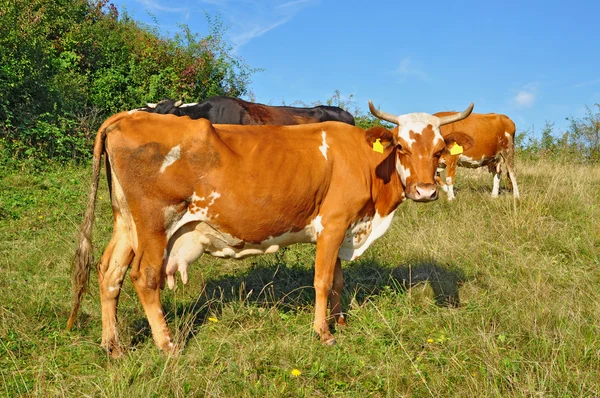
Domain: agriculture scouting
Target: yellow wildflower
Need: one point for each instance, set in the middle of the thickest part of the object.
(430, 340)
(296, 373)
(213, 319)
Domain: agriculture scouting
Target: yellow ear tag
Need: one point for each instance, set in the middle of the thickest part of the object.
(456, 149)
(378, 146)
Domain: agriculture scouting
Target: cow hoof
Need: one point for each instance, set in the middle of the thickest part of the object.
(171, 349)
(114, 350)
(327, 339)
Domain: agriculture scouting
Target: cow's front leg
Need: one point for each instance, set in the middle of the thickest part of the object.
(328, 246)
(336, 293)
(147, 277)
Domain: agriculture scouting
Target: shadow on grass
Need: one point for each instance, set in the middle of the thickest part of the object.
(289, 287)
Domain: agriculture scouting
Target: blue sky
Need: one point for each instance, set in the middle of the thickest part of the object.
(534, 61)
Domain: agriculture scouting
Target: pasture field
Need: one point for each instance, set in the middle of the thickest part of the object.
(471, 298)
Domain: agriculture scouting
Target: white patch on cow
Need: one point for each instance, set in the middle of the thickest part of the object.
(194, 212)
(318, 225)
(189, 243)
(190, 104)
(417, 122)
(113, 288)
(508, 135)
(324, 146)
(496, 188)
(120, 202)
(402, 172)
(466, 161)
(173, 155)
(362, 234)
(450, 188)
(132, 111)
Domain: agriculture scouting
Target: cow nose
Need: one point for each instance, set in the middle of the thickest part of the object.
(426, 192)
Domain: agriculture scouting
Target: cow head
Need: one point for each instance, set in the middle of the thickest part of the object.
(419, 145)
(164, 107)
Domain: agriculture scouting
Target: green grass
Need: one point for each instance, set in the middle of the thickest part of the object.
(476, 297)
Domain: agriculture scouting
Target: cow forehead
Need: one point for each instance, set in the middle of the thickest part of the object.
(415, 125)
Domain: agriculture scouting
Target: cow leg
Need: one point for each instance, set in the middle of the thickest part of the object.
(113, 265)
(509, 160)
(497, 170)
(147, 276)
(335, 295)
(451, 165)
(328, 246)
(439, 181)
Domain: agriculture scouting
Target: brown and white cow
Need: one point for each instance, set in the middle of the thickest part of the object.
(485, 140)
(183, 187)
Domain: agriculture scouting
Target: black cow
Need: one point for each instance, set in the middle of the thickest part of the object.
(226, 110)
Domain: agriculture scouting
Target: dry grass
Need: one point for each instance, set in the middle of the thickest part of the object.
(526, 275)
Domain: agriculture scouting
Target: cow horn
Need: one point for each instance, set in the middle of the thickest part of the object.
(456, 117)
(150, 105)
(178, 104)
(388, 117)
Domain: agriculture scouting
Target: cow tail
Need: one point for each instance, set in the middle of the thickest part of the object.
(83, 260)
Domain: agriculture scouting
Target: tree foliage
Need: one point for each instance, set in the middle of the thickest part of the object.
(65, 65)
(580, 142)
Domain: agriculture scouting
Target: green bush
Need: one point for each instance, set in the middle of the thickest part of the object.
(66, 65)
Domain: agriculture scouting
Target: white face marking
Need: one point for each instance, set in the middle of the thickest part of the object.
(402, 172)
(324, 146)
(417, 122)
(318, 225)
(173, 155)
(190, 104)
(362, 234)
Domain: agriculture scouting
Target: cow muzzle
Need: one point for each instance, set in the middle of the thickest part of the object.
(422, 192)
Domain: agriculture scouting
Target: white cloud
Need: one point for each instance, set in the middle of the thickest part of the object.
(252, 30)
(587, 83)
(407, 68)
(250, 19)
(526, 96)
(524, 99)
(155, 5)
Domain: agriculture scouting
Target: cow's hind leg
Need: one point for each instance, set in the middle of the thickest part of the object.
(113, 265)
(147, 276)
(496, 169)
(509, 159)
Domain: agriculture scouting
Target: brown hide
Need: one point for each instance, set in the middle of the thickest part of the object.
(181, 187)
(484, 140)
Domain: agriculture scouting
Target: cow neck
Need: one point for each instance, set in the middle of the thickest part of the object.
(387, 191)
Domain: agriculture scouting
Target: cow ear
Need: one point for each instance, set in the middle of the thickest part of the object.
(461, 139)
(380, 138)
